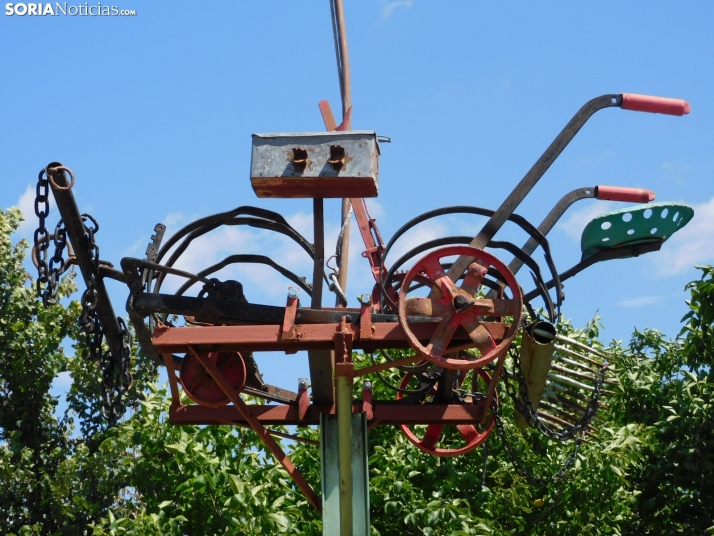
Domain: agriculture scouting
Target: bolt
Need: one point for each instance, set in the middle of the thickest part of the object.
(365, 299)
(461, 302)
(292, 292)
(302, 383)
(367, 386)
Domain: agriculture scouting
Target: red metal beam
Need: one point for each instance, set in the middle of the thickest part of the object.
(391, 414)
(307, 337)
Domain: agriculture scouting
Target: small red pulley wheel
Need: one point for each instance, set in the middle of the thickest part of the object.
(434, 435)
(459, 306)
(202, 388)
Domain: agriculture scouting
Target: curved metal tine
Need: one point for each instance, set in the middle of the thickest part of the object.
(279, 227)
(605, 255)
(268, 215)
(450, 240)
(128, 262)
(460, 209)
(245, 258)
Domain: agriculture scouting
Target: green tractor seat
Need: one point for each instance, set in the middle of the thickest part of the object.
(639, 225)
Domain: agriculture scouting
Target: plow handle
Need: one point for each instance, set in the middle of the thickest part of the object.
(620, 193)
(655, 105)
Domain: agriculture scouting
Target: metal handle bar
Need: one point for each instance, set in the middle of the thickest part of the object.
(628, 101)
(609, 193)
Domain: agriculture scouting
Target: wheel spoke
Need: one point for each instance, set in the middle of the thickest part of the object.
(468, 432)
(433, 268)
(498, 307)
(432, 436)
(424, 307)
(442, 336)
(473, 278)
(479, 335)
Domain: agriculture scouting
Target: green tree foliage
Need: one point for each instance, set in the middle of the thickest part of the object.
(647, 470)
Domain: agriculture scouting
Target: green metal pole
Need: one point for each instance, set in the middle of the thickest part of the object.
(344, 442)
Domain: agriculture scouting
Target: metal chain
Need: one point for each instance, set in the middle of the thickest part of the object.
(534, 480)
(56, 265)
(524, 406)
(116, 378)
(48, 272)
(42, 237)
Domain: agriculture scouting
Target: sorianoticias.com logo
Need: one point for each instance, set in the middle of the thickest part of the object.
(83, 10)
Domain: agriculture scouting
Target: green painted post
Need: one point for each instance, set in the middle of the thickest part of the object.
(329, 457)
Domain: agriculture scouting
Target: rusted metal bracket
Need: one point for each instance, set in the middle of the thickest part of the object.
(367, 400)
(288, 331)
(303, 398)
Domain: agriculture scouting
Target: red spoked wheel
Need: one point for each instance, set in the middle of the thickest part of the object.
(201, 387)
(459, 306)
(448, 441)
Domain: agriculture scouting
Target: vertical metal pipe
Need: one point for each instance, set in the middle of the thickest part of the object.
(319, 244)
(344, 443)
(321, 361)
(344, 258)
(343, 57)
(343, 66)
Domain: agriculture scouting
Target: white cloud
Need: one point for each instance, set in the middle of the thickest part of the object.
(389, 7)
(575, 223)
(693, 244)
(26, 204)
(61, 383)
(640, 302)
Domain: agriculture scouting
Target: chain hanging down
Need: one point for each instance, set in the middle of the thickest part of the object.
(116, 379)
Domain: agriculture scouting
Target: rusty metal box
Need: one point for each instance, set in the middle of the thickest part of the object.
(315, 164)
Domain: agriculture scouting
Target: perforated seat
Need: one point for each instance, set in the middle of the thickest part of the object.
(642, 224)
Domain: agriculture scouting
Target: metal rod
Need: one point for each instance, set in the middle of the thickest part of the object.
(76, 230)
(259, 429)
(318, 211)
(343, 65)
(532, 177)
(550, 220)
(321, 361)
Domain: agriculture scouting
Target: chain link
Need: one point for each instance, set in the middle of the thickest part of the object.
(531, 479)
(48, 272)
(42, 236)
(116, 378)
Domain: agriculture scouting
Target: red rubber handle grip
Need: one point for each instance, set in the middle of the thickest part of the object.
(620, 193)
(655, 105)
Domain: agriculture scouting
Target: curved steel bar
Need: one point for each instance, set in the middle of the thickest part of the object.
(464, 209)
(508, 246)
(128, 263)
(250, 221)
(225, 216)
(247, 258)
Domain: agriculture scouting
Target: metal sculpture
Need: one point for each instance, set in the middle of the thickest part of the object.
(458, 318)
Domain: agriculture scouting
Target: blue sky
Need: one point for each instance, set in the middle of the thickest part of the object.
(154, 114)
